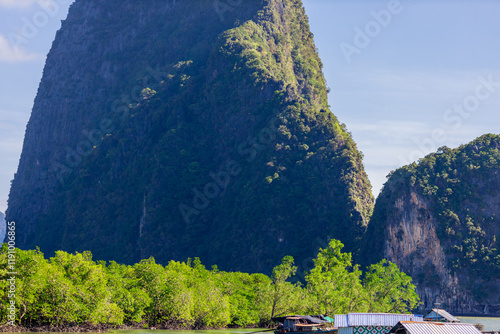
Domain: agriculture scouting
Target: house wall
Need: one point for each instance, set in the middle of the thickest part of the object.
(346, 330)
(371, 329)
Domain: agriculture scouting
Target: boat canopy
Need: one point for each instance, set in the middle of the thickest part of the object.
(307, 319)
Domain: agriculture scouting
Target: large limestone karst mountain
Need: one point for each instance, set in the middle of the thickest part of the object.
(185, 128)
(439, 221)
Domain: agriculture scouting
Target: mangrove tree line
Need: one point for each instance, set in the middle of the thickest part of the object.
(72, 289)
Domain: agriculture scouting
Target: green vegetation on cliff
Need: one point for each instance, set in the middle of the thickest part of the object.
(212, 137)
(72, 289)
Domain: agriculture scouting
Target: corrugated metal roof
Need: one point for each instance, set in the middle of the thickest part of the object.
(439, 328)
(373, 319)
(443, 314)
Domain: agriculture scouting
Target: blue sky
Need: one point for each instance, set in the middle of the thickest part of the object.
(413, 88)
(407, 77)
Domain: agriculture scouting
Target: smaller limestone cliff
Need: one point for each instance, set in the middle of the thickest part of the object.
(438, 220)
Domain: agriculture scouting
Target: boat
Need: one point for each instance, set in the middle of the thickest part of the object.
(305, 324)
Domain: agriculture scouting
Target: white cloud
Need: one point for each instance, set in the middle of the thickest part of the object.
(15, 54)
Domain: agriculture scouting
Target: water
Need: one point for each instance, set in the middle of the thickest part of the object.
(490, 324)
(147, 331)
(222, 331)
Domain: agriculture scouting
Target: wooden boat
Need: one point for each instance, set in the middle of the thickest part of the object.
(300, 324)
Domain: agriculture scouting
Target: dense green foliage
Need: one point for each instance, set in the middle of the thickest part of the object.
(220, 143)
(462, 187)
(70, 289)
(336, 287)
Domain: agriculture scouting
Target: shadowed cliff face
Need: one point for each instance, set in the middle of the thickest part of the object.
(189, 128)
(101, 56)
(438, 221)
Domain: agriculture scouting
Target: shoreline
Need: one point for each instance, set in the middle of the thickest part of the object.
(87, 328)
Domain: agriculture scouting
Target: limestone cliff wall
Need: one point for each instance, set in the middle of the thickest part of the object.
(412, 243)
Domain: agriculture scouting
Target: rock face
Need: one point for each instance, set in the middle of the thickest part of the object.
(188, 128)
(439, 222)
